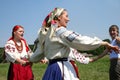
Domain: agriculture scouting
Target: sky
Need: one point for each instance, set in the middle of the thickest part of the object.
(87, 17)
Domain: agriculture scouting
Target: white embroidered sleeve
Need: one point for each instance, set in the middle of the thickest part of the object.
(10, 53)
(76, 40)
(74, 54)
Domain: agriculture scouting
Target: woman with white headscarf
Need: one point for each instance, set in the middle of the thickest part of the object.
(55, 43)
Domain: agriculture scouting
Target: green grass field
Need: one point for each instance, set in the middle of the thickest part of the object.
(98, 70)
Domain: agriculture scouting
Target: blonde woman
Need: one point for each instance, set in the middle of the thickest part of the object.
(55, 42)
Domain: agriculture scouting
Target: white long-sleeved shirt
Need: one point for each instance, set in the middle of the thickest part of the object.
(56, 43)
(12, 53)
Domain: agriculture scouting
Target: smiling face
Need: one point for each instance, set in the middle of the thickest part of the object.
(63, 19)
(113, 31)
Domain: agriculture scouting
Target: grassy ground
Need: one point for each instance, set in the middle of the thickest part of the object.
(98, 70)
(93, 71)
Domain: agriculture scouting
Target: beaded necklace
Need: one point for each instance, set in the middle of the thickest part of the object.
(19, 48)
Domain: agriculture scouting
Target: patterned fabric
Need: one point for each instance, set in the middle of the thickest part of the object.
(77, 56)
(56, 42)
(12, 53)
(56, 45)
(17, 71)
(51, 16)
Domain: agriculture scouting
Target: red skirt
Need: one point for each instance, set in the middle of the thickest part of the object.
(19, 72)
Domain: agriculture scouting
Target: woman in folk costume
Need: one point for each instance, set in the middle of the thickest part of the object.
(73, 56)
(17, 53)
(55, 43)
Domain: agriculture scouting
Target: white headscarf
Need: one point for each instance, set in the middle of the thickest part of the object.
(48, 20)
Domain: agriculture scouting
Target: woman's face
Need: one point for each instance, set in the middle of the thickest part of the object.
(63, 19)
(19, 33)
(113, 33)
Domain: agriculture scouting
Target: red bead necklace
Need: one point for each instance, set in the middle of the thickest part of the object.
(19, 48)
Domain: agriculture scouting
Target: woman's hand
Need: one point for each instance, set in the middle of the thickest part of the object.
(44, 61)
(115, 48)
(91, 60)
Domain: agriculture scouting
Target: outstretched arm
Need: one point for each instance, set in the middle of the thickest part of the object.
(100, 56)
